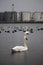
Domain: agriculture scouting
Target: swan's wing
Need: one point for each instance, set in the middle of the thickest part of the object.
(19, 48)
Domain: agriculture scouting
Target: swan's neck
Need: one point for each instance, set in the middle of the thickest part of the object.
(25, 41)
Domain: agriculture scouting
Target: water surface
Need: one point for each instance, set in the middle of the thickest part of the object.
(34, 55)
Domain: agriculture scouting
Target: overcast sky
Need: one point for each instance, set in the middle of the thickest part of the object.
(21, 5)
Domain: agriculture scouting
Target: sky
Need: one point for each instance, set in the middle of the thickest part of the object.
(21, 5)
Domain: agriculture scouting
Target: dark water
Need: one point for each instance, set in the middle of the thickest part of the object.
(34, 55)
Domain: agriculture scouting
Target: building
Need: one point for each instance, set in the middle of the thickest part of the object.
(26, 16)
(37, 16)
(1, 16)
(8, 17)
(41, 16)
(13, 17)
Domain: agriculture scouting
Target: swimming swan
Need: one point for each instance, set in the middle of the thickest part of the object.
(21, 48)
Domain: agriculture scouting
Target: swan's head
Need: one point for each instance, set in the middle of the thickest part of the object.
(25, 36)
(27, 32)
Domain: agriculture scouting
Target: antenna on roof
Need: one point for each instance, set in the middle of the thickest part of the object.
(12, 7)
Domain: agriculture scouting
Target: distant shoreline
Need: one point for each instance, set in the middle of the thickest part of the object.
(4, 22)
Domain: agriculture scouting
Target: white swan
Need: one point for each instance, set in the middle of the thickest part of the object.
(21, 48)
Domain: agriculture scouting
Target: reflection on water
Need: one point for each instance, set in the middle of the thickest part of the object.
(20, 58)
(34, 55)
